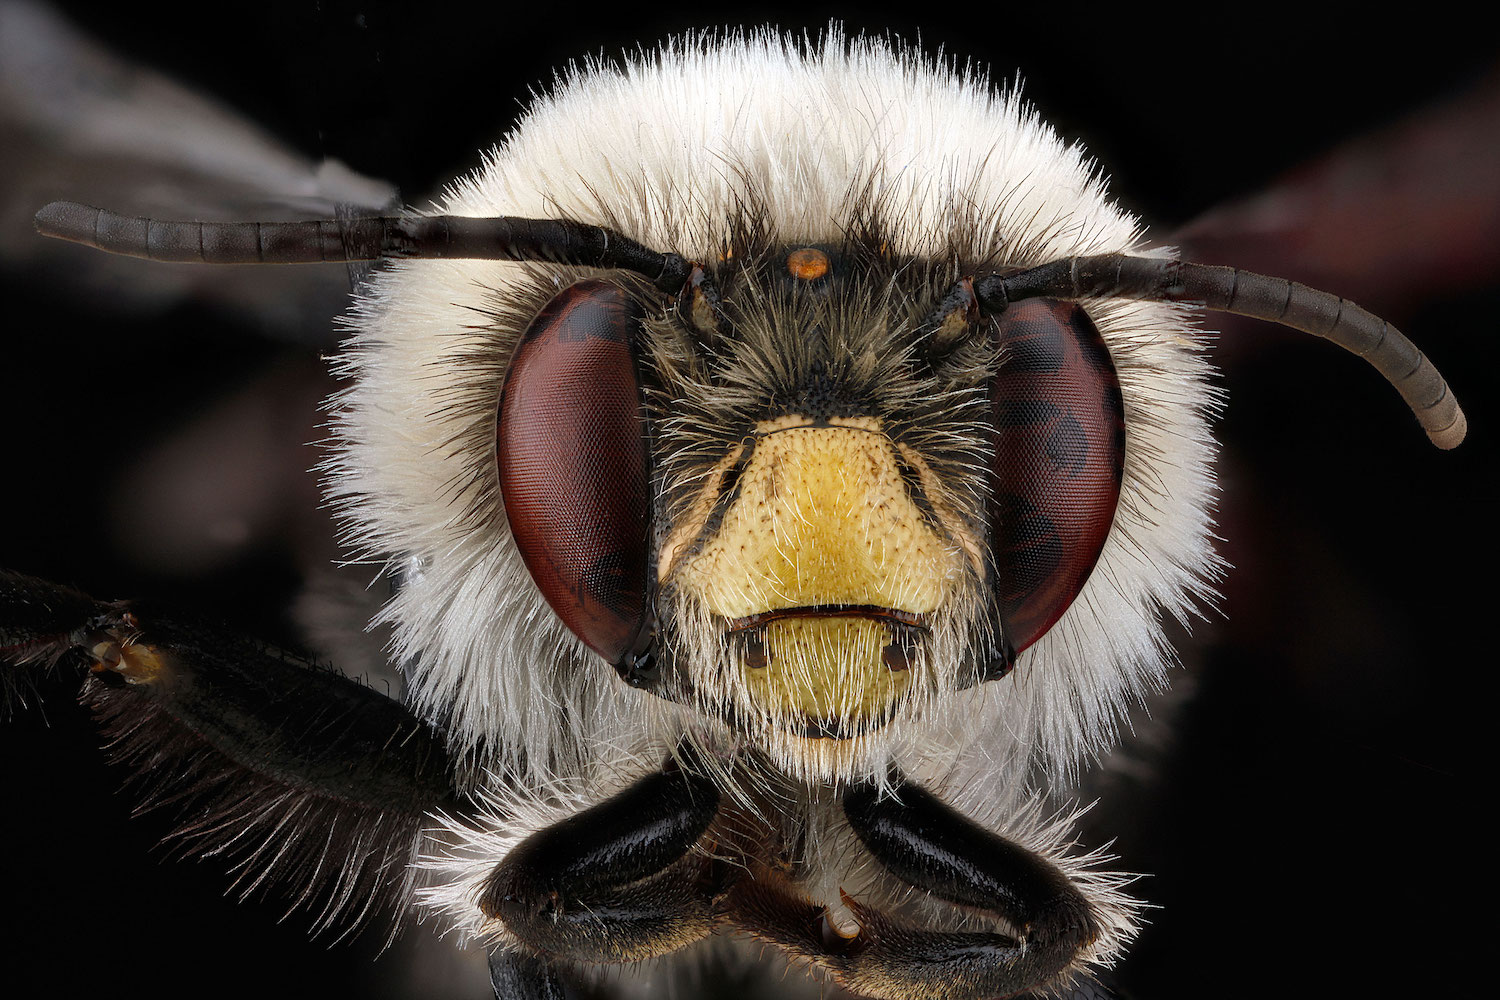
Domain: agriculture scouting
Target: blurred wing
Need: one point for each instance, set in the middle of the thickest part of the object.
(1325, 695)
(78, 122)
(1395, 217)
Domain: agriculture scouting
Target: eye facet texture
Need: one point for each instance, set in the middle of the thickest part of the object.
(1059, 458)
(574, 472)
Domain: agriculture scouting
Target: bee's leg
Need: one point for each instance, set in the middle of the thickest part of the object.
(927, 844)
(514, 976)
(617, 882)
(309, 777)
(43, 624)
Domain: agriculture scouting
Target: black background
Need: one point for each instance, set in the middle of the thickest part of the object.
(1315, 827)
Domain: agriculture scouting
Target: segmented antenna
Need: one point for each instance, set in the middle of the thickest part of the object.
(558, 241)
(1244, 293)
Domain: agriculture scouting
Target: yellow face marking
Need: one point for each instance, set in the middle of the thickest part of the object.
(827, 670)
(943, 509)
(822, 517)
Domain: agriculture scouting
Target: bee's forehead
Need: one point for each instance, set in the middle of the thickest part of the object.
(811, 267)
(808, 270)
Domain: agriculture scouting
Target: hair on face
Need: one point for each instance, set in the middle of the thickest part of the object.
(874, 145)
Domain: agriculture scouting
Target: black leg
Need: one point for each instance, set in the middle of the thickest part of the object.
(925, 843)
(310, 779)
(616, 882)
(42, 623)
(521, 977)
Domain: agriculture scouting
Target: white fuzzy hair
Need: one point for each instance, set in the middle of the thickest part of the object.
(662, 148)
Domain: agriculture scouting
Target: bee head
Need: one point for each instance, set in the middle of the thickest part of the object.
(804, 490)
(795, 457)
(820, 568)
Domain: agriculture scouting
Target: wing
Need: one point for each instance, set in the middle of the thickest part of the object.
(78, 121)
(1405, 215)
(1317, 741)
(214, 382)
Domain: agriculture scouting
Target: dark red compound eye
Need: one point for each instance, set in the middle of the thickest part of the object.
(573, 465)
(1059, 458)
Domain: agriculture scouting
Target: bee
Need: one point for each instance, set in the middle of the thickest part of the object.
(871, 485)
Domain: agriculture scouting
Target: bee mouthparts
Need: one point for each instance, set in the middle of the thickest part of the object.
(911, 619)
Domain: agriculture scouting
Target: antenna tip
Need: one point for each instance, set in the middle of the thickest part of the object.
(1452, 435)
(67, 220)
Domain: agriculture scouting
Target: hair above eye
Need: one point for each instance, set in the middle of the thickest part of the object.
(1059, 457)
(574, 473)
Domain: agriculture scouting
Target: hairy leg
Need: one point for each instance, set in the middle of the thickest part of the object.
(617, 882)
(305, 776)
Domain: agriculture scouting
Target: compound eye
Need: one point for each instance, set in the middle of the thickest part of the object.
(1059, 458)
(573, 464)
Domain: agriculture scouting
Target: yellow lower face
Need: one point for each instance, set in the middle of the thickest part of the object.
(823, 517)
(824, 521)
(835, 673)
